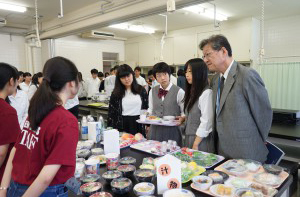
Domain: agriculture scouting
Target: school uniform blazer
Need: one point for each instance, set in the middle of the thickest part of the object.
(245, 116)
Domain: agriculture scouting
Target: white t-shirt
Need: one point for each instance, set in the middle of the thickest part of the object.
(92, 86)
(109, 84)
(25, 87)
(131, 104)
(140, 80)
(31, 91)
(20, 103)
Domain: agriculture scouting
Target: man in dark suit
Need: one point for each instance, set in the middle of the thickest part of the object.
(243, 113)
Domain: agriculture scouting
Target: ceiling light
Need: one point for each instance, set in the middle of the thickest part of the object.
(136, 28)
(209, 13)
(10, 7)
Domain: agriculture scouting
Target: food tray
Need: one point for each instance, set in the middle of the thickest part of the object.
(146, 146)
(219, 157)
(171, 124)
(228, 183)
(249, 175)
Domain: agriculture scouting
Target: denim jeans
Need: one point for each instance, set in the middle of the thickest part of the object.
(17, 190)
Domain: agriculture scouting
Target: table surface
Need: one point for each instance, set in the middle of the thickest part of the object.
(286, 131)
(139, 158)
(84, 103)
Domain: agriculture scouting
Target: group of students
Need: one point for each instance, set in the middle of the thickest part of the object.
(192, 105)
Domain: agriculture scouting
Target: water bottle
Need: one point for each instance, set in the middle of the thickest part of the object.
(101, 129)
(84, 128)
(90, 118)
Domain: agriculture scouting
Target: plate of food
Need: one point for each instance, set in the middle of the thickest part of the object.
(101, 158)
(248, 192)
(238, 183)
(218, 177)
(190, 170)
(222, 190)
(235, 168)
(267, 179)
(251, 165)
(266, 190)
(153, 119)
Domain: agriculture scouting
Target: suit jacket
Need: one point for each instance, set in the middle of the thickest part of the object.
(245, 116)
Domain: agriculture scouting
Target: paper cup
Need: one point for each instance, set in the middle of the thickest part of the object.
(92, 166)
(112, 161)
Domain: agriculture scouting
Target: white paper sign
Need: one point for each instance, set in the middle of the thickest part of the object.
(111, 141)
(168, 170)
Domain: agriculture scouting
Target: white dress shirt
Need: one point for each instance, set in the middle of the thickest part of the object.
(140, 80)
(227, 71)
(205, 105)
(173, 79)
(93, 86)
(131, 104)
(20, 103)
(31, 91)
(82, 90)
(180, 96)
(72, 102)
(25, 87)
(109, 84)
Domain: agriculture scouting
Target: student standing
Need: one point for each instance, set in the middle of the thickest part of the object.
(126, 102)
(93, 83)
(181, 79)
(101, 77)
(44, 155)
(82, 93)
(9, 127)
(27, 82)
(36, 82)
(109, 82)
(198, 107)
(165, 100)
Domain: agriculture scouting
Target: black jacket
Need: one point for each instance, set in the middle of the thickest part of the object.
(115, 119)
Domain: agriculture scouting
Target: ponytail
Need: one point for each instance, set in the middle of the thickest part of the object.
(57, 72)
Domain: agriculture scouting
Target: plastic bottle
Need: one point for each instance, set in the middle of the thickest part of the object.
(101, 121)
(84, 128)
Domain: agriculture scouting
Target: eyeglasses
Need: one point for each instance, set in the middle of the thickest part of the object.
(207, 55)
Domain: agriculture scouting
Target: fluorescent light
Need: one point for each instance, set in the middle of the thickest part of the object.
(209, 13)
(10, 7)
(136, 28)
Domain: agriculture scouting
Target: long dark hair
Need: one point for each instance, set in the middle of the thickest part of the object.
(35, 79)
(199, 82)
(119, 90)
(6, 73)
(57, 72)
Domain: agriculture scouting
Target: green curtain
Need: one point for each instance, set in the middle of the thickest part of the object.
(282, 81)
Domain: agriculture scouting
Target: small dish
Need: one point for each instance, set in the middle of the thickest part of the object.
(142, 189)
(127, 161)
(127, 170)
(101, 194)
(251, 165)
(111, 175)
(266, 190)
(248, 192)
(273, 169)
(83, 153)
(91, 188)
(101, 158)
(235, 168)
(144, 175)
(178, 192)
(168, 118)
(121, 185)
(222, 190)
(218, 177)
(202, 182)
(239, 183)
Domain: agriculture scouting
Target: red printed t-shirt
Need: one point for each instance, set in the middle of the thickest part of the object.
(54, 142)
(9, 129)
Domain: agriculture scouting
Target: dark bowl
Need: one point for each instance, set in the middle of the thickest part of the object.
(90, 178)
(144, 175)
(121, 185)
(90, 188)
(111, 175)
(127, 170)
(127, 161)
(273, 169)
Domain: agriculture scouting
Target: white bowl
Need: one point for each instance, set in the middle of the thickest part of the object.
(202, 186)
(178, 192)
(169, 118)
(148, 189)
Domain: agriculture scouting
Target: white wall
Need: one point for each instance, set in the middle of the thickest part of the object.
(282, 39)
(12, 51)
(87, 53)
